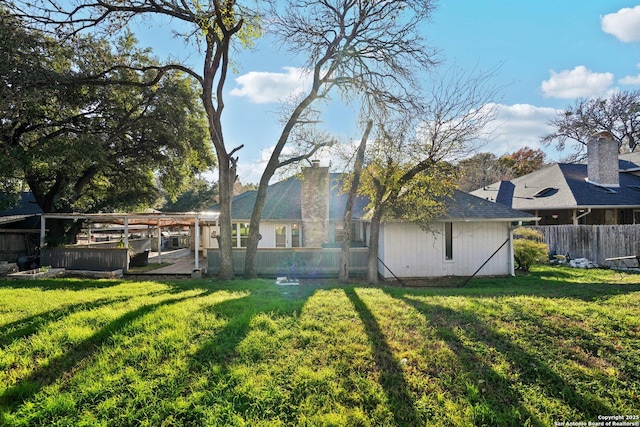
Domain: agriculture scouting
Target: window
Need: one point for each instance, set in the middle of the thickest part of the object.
(339, 234)
(448, 240)
(295, 235)
(242, 230)
(281, 236)
(244, 234)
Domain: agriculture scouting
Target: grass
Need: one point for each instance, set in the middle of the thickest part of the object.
(555, 345)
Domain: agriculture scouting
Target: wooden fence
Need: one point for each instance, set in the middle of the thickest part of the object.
(293, 263)
(594, 242)
(94, 259)
(12, 246)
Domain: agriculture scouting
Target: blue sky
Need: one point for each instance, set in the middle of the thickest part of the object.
(548, 53)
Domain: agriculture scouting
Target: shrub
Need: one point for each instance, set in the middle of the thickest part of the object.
(528, 248)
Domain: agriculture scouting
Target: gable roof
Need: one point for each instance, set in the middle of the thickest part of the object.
(629, 161)
(283, 202)
(463, 206)
(27, 207)
(564, 186)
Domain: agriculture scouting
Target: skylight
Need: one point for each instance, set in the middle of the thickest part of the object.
(546, 192)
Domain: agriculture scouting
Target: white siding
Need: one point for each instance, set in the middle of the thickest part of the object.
(267, 230)
(410, 251)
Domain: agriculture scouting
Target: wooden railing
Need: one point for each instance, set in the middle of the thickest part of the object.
(293, 262)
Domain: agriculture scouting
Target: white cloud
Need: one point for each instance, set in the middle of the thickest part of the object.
(624, 24)
(630, 80)
(518, 126)
(264, 87)
(576, 83)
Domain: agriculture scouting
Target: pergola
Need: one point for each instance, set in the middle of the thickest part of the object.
(156, 219)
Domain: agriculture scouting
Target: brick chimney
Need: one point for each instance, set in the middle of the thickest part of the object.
(602, 160)
(315, 205)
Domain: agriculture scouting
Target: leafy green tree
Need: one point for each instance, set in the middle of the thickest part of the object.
(88, 144)
(197, 197)
(216, 26)
(486, 168)
(522, 162)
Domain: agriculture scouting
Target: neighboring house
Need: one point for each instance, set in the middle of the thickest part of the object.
(20, 228)
(308, 211)
(605, 190)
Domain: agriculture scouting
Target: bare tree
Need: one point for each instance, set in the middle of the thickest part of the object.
(618, 114)
(366, 51)
(354, 184)
(217, 24)
(409, 167)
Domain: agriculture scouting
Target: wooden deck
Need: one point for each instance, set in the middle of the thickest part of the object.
(182, 262)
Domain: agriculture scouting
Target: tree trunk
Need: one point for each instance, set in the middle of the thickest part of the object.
(343, 275)
(225, 243)
(272, 165)
(254, 227)
(374, 235)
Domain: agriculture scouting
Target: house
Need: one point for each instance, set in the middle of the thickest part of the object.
(307, 211)
(301, 211)
(20, 228)
(604, 191)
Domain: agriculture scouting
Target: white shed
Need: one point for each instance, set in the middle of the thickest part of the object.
(474, 234)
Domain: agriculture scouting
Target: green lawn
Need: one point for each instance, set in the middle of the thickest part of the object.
(555, 345)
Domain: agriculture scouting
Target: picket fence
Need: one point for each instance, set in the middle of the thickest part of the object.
(594, 242)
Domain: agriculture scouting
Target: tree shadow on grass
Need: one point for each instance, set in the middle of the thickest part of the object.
(60, 283)
(75, 356)
(391, 375)
(500, 394)
(216, 355)
(25, 327)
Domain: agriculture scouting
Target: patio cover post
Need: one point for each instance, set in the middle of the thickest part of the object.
(42, 229)
(197, 243)
(159, 243)
(126, 232)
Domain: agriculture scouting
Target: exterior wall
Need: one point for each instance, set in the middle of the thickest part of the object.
(315, 206)
(267, 230)
(411, 252)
